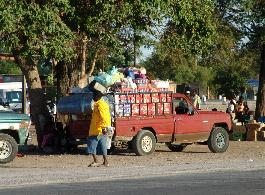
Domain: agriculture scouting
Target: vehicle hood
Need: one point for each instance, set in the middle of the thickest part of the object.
(217, 116)
(212, 112)
(215, 113)
(6, 115)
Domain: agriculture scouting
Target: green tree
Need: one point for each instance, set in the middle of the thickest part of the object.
(7, 67)
(31, 31)
(189, 32)
(248, 17)
(229, 80)
(178, 67)
(226, 55)
(190, 26)
(105, 29)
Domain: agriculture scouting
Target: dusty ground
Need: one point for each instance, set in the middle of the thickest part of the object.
(240, 151)
(36, 169)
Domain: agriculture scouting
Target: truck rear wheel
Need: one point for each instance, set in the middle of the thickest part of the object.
(176, 148)
(218, 141)
(144, 143)
(8, 148)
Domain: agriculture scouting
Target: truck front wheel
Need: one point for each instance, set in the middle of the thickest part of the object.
(8, 148)
(144, 143)
(218, 141)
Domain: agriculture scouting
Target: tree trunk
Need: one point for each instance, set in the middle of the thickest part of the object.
(63, 78)
(83, 80)
(93, 64)
(67, 77)
(134, 49)
(39, 111)
(83, 56)
(260, 104)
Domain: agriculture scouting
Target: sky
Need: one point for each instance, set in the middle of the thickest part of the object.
(146, 52)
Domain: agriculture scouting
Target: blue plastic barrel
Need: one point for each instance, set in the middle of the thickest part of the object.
(78, 103)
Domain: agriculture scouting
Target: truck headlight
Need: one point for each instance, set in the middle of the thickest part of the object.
(24, 124)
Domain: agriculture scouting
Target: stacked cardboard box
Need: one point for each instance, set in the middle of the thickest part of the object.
(250, 132)
(239, 132)
(252, 129)
(261, 134)
(143, 103)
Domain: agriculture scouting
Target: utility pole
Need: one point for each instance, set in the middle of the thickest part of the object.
(24, 95)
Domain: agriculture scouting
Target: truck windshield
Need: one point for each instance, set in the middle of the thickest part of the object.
(14, 96)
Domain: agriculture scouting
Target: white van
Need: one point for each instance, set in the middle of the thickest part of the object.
(11, 93)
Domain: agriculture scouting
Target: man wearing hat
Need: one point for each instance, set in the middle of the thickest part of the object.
(97, 138)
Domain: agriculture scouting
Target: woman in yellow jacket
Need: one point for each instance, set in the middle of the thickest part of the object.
(97, 138)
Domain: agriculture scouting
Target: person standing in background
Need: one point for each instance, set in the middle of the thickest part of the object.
(97, 138)
(240, 109)
(187, 93)
(231, 108)
(203, 99)
(196, 101)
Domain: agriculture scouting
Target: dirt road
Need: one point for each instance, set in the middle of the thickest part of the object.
(244, 151)
(41, 169)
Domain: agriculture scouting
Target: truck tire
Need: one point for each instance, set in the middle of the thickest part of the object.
(144, 143)
(218, 141)
(8, 148)
(176, 148)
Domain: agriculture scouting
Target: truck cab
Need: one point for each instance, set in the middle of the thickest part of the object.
(197, 126)
(14, 130)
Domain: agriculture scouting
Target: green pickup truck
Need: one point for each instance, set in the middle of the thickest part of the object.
(14, 130)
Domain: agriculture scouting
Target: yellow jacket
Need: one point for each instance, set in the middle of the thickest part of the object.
(100, 118)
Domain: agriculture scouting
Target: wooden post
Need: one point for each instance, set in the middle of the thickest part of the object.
(24, 95)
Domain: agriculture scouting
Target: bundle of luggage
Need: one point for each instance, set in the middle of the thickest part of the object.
(128, 80)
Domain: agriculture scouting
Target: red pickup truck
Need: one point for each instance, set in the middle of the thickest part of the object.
(145, 118)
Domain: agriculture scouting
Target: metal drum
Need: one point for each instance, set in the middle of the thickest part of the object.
(79, 103)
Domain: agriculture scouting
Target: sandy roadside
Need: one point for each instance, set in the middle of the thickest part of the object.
(42, 169)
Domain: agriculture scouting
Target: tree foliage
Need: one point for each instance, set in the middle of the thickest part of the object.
(248, 17)
(230, 80)
(31, 31)
(9, 68)
(189, 32)
(225, 62)
(35, 28)
(231, 63)
(190, 26)
(178, 67)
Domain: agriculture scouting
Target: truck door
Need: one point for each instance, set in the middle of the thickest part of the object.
(188, 123)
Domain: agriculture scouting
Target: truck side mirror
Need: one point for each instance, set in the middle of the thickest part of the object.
(6, 104)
